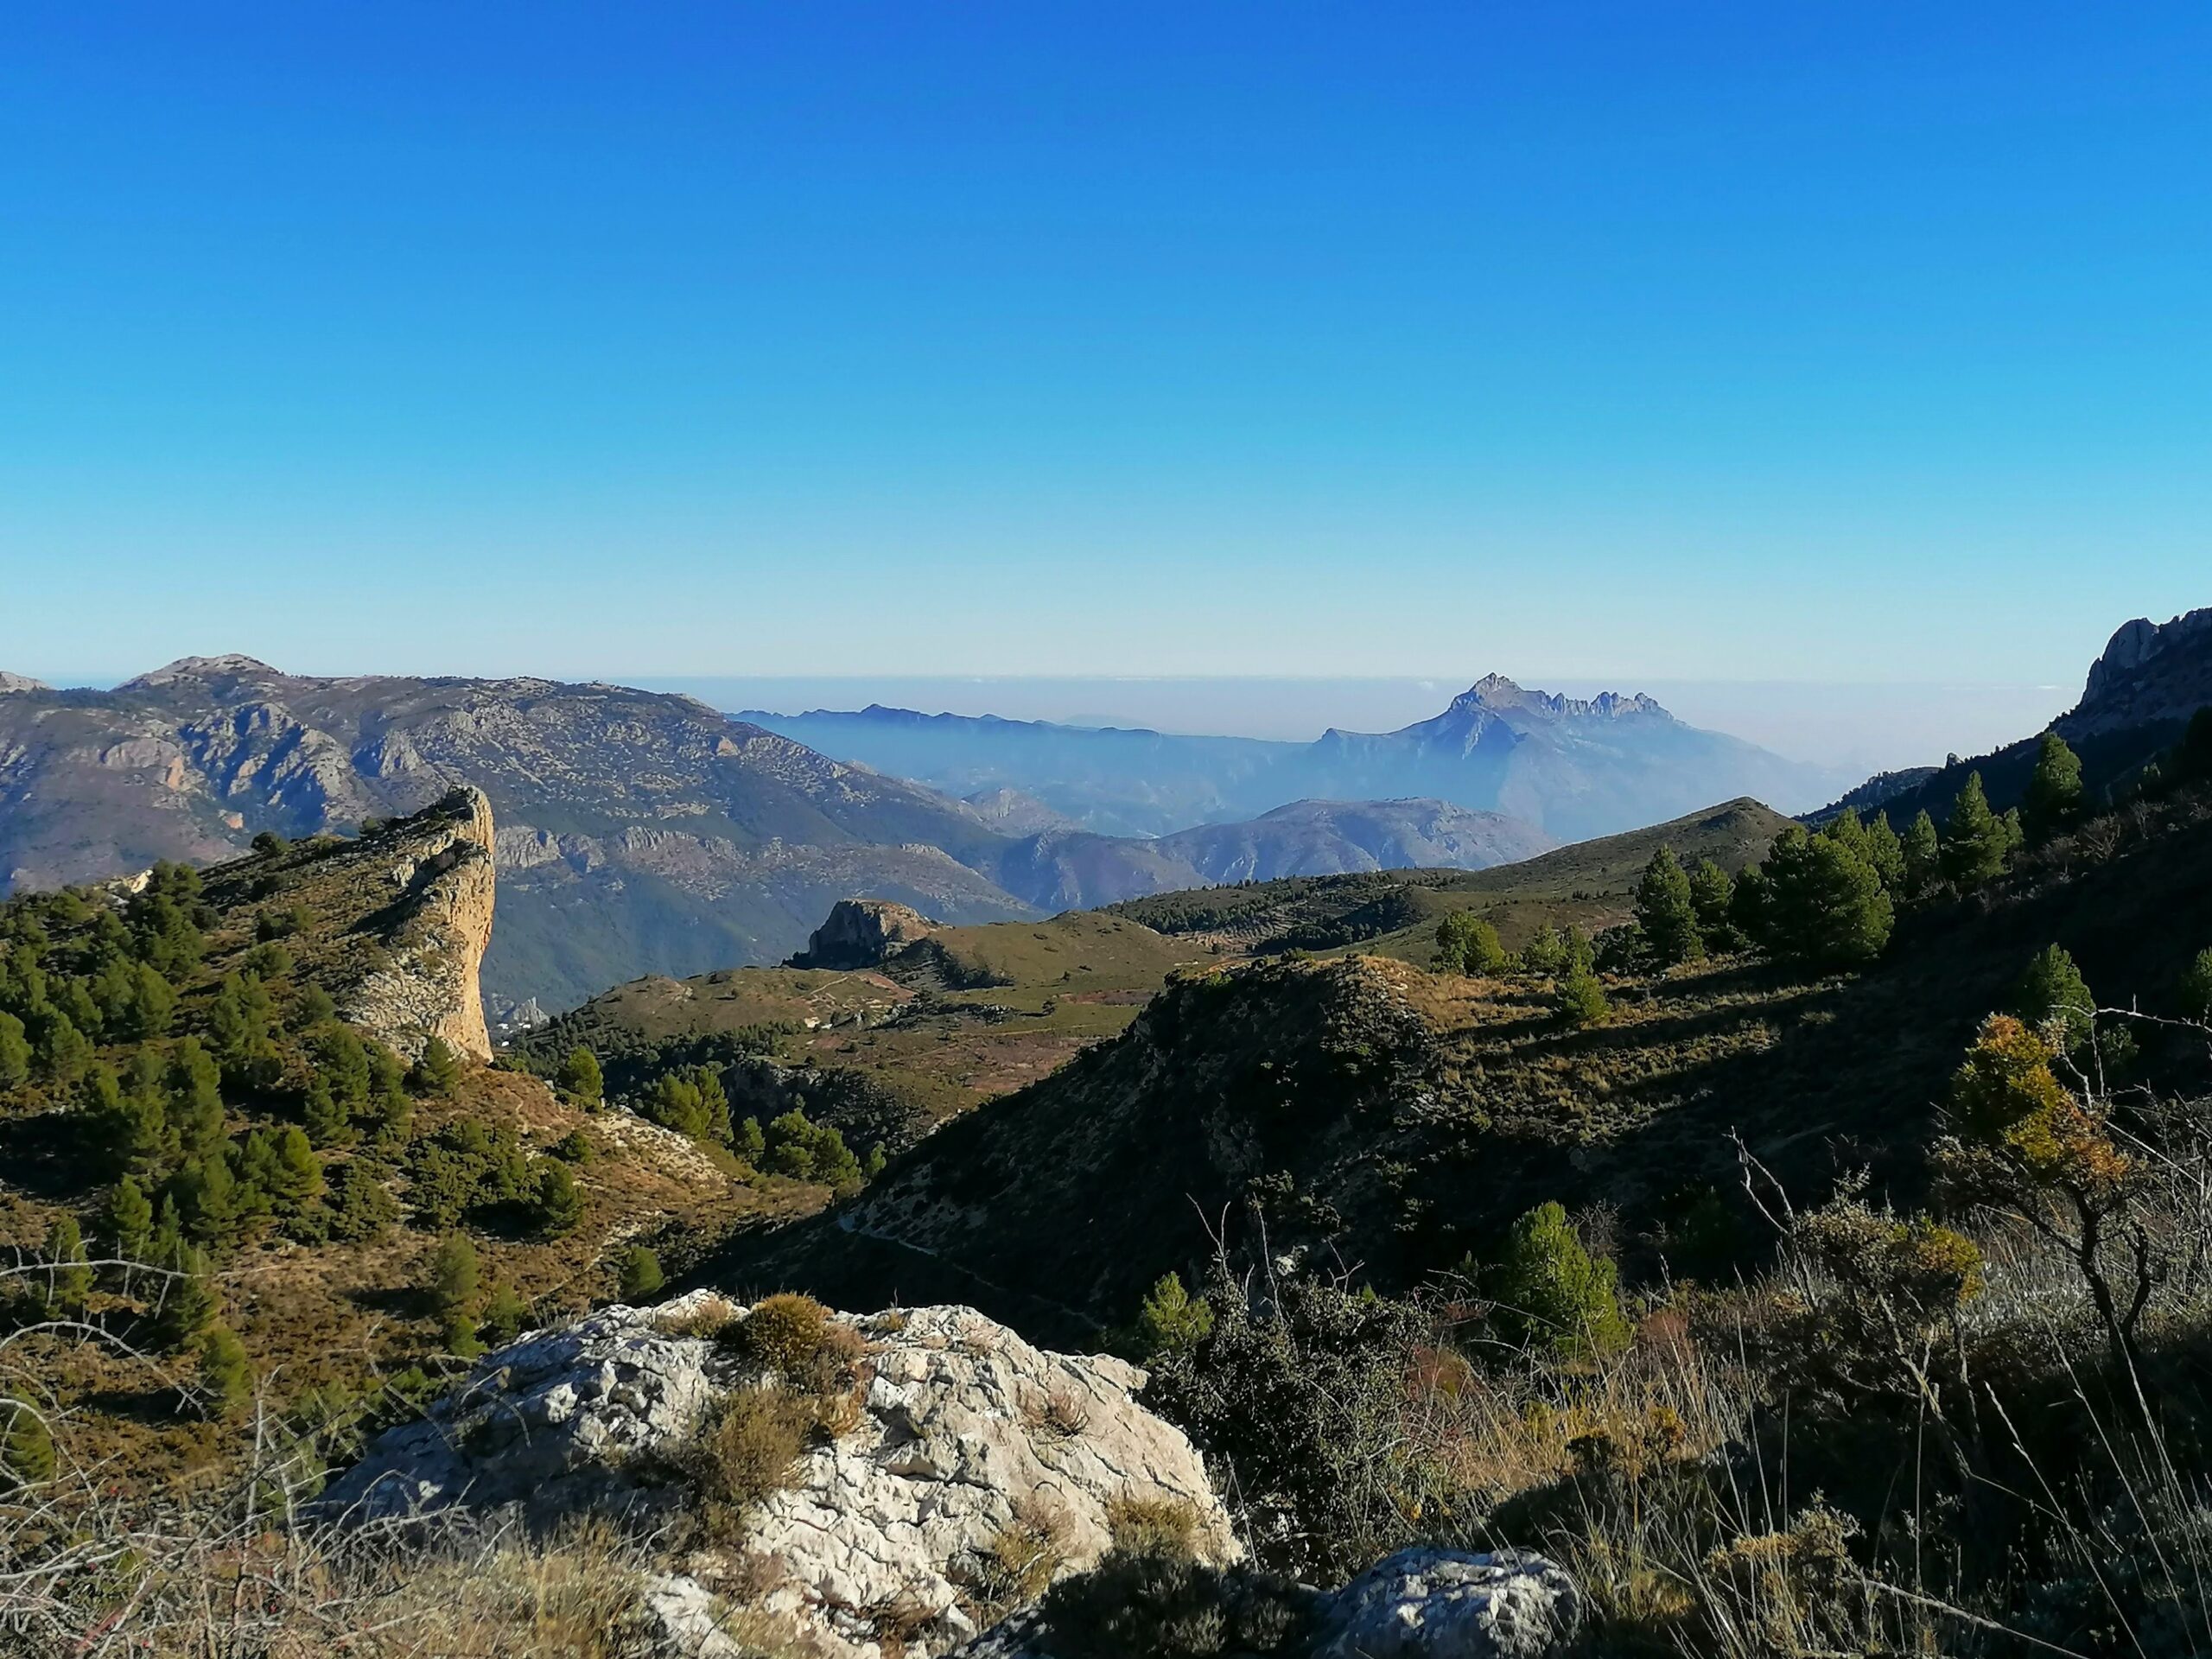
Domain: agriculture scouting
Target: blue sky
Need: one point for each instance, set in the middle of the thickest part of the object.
(1604, 343)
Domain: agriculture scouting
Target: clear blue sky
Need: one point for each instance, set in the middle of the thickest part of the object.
(1860, 341)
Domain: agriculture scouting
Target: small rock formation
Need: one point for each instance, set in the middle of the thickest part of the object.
(424, 887)
(863, 933)
(962, 1428)
(1441, 1603)
(20, 683)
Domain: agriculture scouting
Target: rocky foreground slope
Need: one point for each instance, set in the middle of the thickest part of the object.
(958, 1473)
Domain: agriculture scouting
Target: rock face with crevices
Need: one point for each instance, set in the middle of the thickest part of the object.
(963, 1430)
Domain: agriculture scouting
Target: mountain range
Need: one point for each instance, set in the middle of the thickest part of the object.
(639, 832)
(1572, 768)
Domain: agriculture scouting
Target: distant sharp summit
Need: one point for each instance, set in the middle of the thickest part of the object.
(1574, 767)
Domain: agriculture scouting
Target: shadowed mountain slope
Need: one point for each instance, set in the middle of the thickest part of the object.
(1392, 1119)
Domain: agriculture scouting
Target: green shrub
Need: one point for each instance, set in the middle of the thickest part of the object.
(26, 1448)
(579, 1076)
(2196, 987)
(641, 1274)
(1550, 1293)
(1582, 1000)
(1465, 944)
(1170, 1319)
(360, 1207)
(505, 1315)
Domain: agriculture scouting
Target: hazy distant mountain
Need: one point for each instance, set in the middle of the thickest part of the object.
(1073, 869)
(1113, 781)
(1573, 767)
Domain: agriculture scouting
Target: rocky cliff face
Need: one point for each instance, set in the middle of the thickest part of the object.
(440, 866)
(393, 925)
(962, 1435)
(2151, 672)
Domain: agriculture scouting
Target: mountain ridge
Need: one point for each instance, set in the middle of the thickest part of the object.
(1574, 767)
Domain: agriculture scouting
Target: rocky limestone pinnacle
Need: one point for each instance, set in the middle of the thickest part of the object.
(435, 873)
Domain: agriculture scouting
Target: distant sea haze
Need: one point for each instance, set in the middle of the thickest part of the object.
(1867, 727)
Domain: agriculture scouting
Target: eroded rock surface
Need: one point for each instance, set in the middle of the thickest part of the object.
(862, 933)
(964, 1435)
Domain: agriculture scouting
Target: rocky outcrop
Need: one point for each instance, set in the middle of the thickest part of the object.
(1441, 1604)
(20, 683)
(863, 933)
(2149, 673)
(962, 1435)
(437, 872)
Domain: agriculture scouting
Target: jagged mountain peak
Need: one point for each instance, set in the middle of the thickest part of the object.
(1496, 694)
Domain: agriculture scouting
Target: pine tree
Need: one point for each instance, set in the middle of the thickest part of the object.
(329, 1123)
(1666, 913)
(130, 1220)
(68, 1279)
(1713, 896)
(189, 1301)
(296, 1179)
(453, 1276)
(341, 1062)
(438, 1072)
(206, 1197)
(505, 1315)
(2196, 987)
(1923, 856)
(1171, 1320)
(750, 1141)
(2053, 800)
(641, 1274)
(1550, 1290)
(195, 1099)
(1974, 839)
(1582, 1000)
(560, 1201)
(15, 1052)
(2052, 992)
(580, 1078)
(1465, 944)
(226, 1374)
(2192, 756)
(62, 1051)
(1823, 903)
(26, 1448)
(1885, 851)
